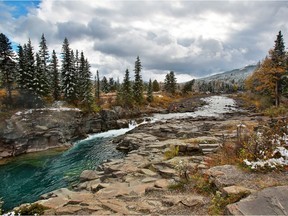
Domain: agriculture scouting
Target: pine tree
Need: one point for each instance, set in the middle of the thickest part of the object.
(43, 66)
(155, 86)
(68, 72)
(85, 82)
(29, 67)
(188, 86)
(150, 92)
(55, 77)
(38, 77)
(21, 67)
(112, 84)
(138, 83)
(97, 86)
(104, 85)
(170, 83)
(126, 90)
(278, 57)
(7, 66)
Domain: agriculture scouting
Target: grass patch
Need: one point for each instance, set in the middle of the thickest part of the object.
(172, 152)
(202, 183)
(219, 202)
(179, 186)
(276, 111)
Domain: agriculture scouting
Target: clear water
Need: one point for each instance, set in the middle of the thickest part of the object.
(26, 177)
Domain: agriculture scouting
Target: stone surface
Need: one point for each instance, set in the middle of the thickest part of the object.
(88, 175)
(227, 175)
(236, 190)
(270, 201)
(42, 129)
(162, 183)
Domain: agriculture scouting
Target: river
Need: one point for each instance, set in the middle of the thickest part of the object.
(26, 177)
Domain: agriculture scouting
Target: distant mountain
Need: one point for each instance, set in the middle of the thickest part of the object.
(236, 75)
(229, 81)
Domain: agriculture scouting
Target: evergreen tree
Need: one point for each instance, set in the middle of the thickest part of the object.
(112, 84)
(29, 67)
(68, 72)
(170, 84)
(43, 66)
(38, 77)
(155, 86)
(104, 85)
(278, 57)
(21, 67)
(188, 86)
(97, 86)
(126, 90)
(7, 66)
(138, 83)
(76, 68)
(150, 92)
(55, 77)
(85, 82)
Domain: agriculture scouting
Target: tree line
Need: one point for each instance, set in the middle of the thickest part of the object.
(38, 77)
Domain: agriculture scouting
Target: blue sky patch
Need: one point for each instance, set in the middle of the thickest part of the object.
(21, 8)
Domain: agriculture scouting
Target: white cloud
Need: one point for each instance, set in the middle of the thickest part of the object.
(192, 38)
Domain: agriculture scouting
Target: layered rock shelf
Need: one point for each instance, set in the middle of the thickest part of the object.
(141, 182)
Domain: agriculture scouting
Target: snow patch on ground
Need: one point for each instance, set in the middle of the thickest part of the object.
(272, 162)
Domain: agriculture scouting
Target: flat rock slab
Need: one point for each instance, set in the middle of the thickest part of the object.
(270, 201)
(227, 175)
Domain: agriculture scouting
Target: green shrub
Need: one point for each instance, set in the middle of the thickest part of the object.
(276, 111)
(31, 209)
(172, 152)
(202, 183)
(219, 202)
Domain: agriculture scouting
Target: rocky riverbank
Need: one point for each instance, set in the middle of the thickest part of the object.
(41, 129)
(160, 156)
(146, 180)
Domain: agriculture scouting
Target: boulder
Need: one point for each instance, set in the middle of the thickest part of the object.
(226, 175)
(269, 201)
(88, 175)
(236, 190)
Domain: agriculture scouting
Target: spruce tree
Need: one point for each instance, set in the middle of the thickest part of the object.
(278, 56)
(150, 92)
(55, 77)
(126, 90)
(155, 86)
(29, 67)
(104, 85)
(38, 77)
(7, 66)
(68, 73)
(138, 83)
(43, 66)
(85, 82)
(97, 86)
(21, 67)
(170, 84)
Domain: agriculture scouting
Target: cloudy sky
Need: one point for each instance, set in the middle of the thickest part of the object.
(192, 38)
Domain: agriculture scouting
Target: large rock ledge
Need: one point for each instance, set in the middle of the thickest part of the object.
(139, 183)
(42, 129)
